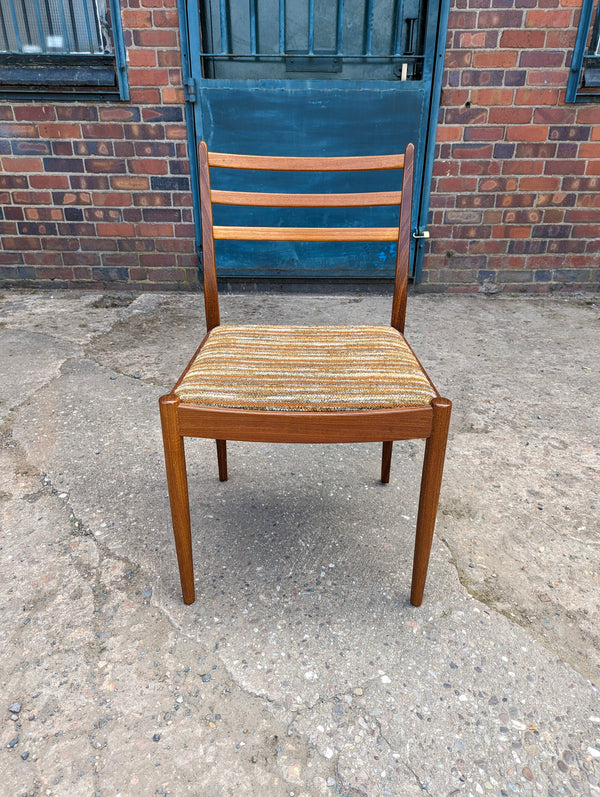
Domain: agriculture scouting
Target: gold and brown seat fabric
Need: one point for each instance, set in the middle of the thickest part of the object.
(305, 368)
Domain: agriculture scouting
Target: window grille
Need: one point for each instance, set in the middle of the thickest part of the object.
(331, 39)
(584, 79)
(64, 46)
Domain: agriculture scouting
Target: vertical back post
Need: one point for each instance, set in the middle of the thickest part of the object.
(211, 294)
(404, 239)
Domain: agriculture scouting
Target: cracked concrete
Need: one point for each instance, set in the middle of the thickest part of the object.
(301, 669)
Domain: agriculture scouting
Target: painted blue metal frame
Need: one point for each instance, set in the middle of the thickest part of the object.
(573, 93)
(434, 111)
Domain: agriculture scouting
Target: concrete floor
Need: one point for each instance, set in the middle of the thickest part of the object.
(301, 669)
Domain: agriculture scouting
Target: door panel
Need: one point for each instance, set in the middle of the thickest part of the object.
(326, 114)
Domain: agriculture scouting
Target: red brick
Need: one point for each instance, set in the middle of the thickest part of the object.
(155, 230)
(130, 183)
(539, 183)
(35, 113)
(148, 77)
(495, 59)
(51, 181)
(149, 166)
(546, 77)
(165, 18)
(155, 38)
(554, 116)
(12, 130)
(501, 18)
(136, 18)
(538, 58)
(21, 242)
(536, 97)
(523, 39)
(541, 18)
(471, 40)
(140, 95)
(139, 58)
(527, 133)
(22, 165)
(492, 97)
(522, 167)
(171, 96)
(111, 199)
(569, 167)
(108, 130)
(510, 115)
(511, 231)
(60, 130)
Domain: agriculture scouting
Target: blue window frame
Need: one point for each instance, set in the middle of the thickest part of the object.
(61, 48)
(584, 80)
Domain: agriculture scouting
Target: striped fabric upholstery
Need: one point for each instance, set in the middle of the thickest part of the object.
(319, 369)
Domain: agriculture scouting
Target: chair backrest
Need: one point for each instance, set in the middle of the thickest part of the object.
(400, 233)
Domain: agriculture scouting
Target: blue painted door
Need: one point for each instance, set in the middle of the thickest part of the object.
(343, 77)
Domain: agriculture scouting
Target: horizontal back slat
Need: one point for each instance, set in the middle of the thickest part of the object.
(230, 233)
(342, 164)
(249, 198)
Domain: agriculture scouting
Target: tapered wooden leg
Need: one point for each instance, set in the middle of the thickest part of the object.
(386, 461)
(433, 466)
(178, 493)
(222, 458)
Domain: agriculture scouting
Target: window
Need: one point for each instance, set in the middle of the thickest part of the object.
(318, 39)
(584, 80)
(58, 48)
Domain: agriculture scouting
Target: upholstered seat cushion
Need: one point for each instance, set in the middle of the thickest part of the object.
(319, 369)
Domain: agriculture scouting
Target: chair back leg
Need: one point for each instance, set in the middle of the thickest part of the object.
(386, 461)
(178, 493)
(222, 459)
(433, 466)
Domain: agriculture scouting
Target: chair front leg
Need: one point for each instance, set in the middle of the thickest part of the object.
(431, 480)
(178, 493)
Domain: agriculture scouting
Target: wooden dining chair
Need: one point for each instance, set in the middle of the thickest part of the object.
(305, 384)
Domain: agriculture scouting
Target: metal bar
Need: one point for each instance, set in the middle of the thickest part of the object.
(368, 29)
(422, 206)
(38, 18)
(398, 27)
(88, 27)
(49, 17)
(26, 22)
(223, 19)
(74, 26)
(120, 55)
(281, 27)
(63, 23)
(4, 28)
(579, 50)
(15, 25)
(350, 56)
(311, 27)
(339, 35)
(253, 27)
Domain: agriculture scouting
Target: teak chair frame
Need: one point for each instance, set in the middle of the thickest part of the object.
(180, 420)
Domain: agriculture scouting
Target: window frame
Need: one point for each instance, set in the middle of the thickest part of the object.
(588, 37)
(69, 76)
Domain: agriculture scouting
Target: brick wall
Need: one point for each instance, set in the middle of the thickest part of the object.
(516, 190)
(99, 193)
(96, 194)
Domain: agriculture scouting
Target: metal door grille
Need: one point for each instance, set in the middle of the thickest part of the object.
(346, 39)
